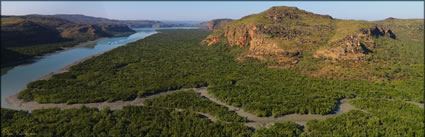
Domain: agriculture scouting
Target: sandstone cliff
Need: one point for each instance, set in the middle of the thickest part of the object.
(283, 34)
(275, 34)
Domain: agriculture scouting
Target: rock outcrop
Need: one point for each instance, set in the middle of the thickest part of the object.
(379, 31)
(283, 34)
(274, 34)
(355, 46)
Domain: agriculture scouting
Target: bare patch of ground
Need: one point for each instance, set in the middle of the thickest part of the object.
(31, 105)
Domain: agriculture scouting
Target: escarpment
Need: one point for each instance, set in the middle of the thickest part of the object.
(284, 35)
(278, 34)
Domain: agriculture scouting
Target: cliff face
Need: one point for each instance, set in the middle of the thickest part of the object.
(277, 32)
(283, 34)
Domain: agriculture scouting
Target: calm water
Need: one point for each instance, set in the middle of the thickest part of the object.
(16, 78)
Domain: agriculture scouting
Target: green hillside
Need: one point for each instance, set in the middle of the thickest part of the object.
(320, 46)
(35, 35)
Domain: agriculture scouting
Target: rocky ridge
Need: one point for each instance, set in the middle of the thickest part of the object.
(283, 34)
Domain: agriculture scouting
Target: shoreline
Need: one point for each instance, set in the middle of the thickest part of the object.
(63, 49)
(66, 68)
(79, 45)
(16, 103)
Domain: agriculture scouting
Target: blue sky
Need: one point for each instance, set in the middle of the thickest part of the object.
(207, 10)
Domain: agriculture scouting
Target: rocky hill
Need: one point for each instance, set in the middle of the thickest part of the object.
(318, 45)
(278, 32)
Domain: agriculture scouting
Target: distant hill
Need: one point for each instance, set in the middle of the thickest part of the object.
(319, 45)
(39, 29)
(98, 20)
(21, 35)
(20, 32)
(214, 24)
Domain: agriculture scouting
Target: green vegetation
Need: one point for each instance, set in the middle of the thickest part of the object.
(11, 20)
(15, 55)
(11, 57)
(38, 50)
(155, 64)
(275, 92)
(173, 59)
(284, 129)
(391, 61)
(348, 27)
(129, 121)
(322, 44)
(406, 29)
(289, 27)
(34, 35)
(385, 118)
(191, 101)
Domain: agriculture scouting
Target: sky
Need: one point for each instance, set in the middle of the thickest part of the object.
(207, 10)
